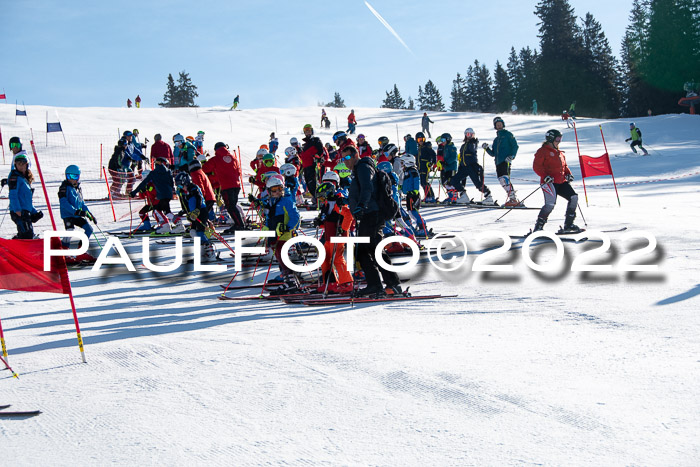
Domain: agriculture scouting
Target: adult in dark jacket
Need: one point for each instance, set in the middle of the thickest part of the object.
(161, 149)
(22, 211)
(425, 159)
(411, 145)
(504, 151)
(425, 124)
(162, 180)
(469, 167)
(362, 199)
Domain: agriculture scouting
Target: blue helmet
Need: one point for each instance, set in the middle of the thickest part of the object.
(182, 179)
(72, 172)
(385, 167)
(127, 133)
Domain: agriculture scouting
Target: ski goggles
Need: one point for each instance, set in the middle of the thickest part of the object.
(15, 145)
(276, 189)
(420, 140)
(72, 177)
(347, 158)
(269, 163)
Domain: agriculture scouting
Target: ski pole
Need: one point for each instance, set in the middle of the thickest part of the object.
(521, 202)
(581, 211)
(330, 271)
(9, 368)
(269, 266)
(483, 174)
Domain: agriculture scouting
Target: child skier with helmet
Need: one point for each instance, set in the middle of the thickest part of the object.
(268, 165)
(504, 150)
(291, 182)
(363, 146)
(469, 167)
(411, 188)
(282, 217)
(74, 211)
(157, 188)
(336, 219)
(22, 211)
(195, 208)
(449, 167)
(636, 139)
(425, 159)
(555, 178)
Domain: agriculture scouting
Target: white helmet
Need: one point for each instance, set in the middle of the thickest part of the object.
(293, 141)
(408, 161)
(332, 177)
(389, 148)
(290, 151)
(178, 138)
(202, 157)
(261, 152)
(288, 170)
(274, 180)
(468, 132)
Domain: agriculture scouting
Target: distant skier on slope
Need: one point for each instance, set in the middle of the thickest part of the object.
(636, 139)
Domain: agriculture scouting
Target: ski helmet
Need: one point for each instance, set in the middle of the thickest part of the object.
(260, 153)
(265, 147)
(446, 137)
(195, 165)
(72, 172)
(190, 139)
(293, 141)
(121, 142)
(136, 131)
(383, 140)
(331, 177)
(21, 157)
(407, 160)
(163, 160)
(127, 133)
(342, 169)
(273, 181)
(438, 140)
(339, 137)
(326, 190)
(390, 149)
(268, 158)
(498, 119)
(182, 179)
(469, 133)
(178, 139)
(420, 135)
(362, 136)
(407, 137)
(632, 125)
(385, 166)
(552, 135)
(15, 142)
(308, 126)
(288, 170)
(290, 152)
(220, 145)
(200, 132)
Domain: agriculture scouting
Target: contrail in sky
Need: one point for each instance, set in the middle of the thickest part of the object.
(388, 26)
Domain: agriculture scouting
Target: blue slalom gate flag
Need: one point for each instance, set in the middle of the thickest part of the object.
(53, 127)
(20, 113)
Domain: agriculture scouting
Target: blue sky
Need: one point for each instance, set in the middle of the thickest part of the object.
(272, 53)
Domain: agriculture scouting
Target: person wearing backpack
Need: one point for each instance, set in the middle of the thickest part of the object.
(370, 202)
(636, 139)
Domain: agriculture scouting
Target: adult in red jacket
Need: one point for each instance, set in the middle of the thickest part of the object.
(555, 178)
(161, 149)
(228, 173)
(312, 153)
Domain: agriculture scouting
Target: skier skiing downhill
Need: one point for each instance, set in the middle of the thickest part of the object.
(636, 139)
(569, 121)
(195, 207)
(336, 220)
(504, 150)
(74, 211)
(555, 178)
(469, 167)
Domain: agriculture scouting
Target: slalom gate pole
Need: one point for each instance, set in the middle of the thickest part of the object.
(15, 375)
(43, 185)
(109, 194)
(131, 218)
(100, 160)
(521, 202)
(483, 174)
(269, 266)
(611, 172)
(2, 343)
(240, 169)
(583, 179)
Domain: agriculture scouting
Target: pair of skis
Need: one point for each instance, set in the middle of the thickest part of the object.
(20, 414)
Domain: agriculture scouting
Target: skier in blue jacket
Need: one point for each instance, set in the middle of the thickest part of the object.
(22, 211)
(74, 211)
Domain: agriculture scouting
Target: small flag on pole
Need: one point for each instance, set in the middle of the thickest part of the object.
(53, 127)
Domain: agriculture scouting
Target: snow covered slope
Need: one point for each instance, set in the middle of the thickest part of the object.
(521, 368)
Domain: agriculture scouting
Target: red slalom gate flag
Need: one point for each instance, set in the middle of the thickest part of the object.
(3, 96)
(595, 166)
(22, 267)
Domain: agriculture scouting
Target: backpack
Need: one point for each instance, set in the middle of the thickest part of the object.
(388, 207)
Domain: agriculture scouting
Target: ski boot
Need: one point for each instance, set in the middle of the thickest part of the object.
(208, 253)
(489, 201)
(145, 226)
(463, 198)
(539, 225)
(569, 226)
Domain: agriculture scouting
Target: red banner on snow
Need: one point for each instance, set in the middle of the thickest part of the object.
(595, 166)
(22, 267)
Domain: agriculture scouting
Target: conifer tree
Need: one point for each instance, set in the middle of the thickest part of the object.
(186, 91)
(337, 102)
(432, 100)
(394, 100)
(458, 94)
(502, 91)
(169, 98)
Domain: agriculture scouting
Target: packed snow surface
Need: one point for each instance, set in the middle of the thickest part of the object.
(522, 367)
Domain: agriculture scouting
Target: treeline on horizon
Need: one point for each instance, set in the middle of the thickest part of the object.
(660, 53)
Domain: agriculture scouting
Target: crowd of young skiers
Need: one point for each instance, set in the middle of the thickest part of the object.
(356, 189)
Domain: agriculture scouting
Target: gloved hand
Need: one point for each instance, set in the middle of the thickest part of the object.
(252, 198)
(193, 215)
(340, 232)
(570, 178)
(485, 145)
(3, 182)
(317, 221)
(509, 159)
(548, 179)
(81, 212)
(36, 217)
(359, 212)
(251, 179)
(628, 140)
(281, 229)
(132, 194)
(91, 217)
(439, 165)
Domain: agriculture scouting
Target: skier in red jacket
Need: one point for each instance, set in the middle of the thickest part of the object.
(228, 172)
